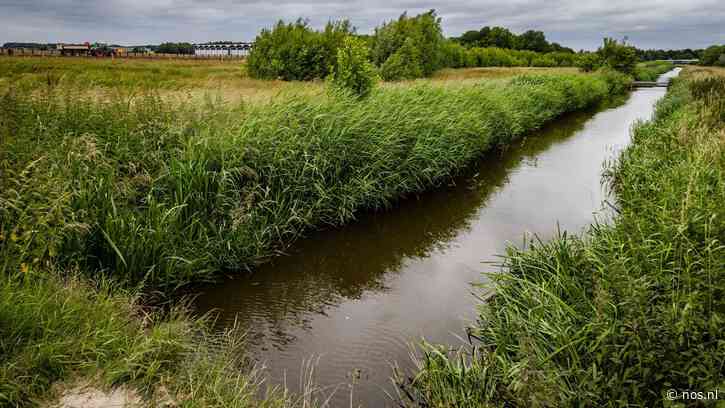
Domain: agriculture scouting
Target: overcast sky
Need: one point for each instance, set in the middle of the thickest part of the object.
(574, 23)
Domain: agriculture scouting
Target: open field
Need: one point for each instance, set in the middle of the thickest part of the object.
(626, 312)
(194, 79)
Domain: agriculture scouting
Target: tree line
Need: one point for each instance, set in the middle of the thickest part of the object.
(412, 47)
(714, 55)
(501, 37)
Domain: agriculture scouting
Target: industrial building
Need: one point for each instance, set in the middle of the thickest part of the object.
(232, 50)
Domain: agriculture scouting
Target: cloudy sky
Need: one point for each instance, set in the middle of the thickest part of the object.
(575, 23)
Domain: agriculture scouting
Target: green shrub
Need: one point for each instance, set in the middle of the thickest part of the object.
(354, 72)
(588, 61)
(618, 56)
(543, 61)
(713, 55)
(422, 32)
(405, 63)
(454, 55)
(296, 52)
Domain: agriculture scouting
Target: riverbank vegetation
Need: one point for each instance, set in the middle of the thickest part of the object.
(102, 196)
(145, 191)
(627, 311)
(57, 328)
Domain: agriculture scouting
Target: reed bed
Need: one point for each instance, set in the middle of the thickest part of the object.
(156, 194)
(626, 312)
(104, 198)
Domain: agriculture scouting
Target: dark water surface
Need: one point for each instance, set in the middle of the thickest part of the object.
(358, 296)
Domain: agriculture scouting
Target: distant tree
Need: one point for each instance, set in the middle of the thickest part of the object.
(454, 54)
(556, 47)
(175, 48)
(712, 55)
(500, 37)
(471, 38)
(533, 41)
(618, 55)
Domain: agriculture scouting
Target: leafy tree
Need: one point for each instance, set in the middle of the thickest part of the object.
(296, 52)
(454, 55)
(618, 55)
(533, 41)
(175, 48)
(422, 32)
(353, 71)
(500, 37)
(472, 37)
(404, 64)
(713, 55)
(588, 61)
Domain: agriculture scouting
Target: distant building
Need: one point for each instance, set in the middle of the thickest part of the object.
(240, 49)
(74, 49)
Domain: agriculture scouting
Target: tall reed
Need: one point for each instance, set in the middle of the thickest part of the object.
(628, 311)
(150, 192)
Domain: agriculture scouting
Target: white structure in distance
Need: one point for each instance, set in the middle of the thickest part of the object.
(233, 50)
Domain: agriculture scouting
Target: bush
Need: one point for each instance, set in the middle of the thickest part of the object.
(588, 61)
(543, 61)
(454, 55)
(296, 52)
(422, 32)
(354, 72)
(404, 64)
(713, 55)
(619, 56)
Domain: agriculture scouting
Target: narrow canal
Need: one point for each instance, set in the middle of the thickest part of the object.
(354, 299)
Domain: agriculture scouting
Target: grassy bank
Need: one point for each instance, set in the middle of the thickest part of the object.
(98, 194)
(54, 332)
(160, 194)
(650, 71)
(628, 311)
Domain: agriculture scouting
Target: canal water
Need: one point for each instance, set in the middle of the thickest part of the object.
(354, 299)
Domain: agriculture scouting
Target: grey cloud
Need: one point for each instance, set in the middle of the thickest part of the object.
(576, 23)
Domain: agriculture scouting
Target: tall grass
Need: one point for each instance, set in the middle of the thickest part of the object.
(155, 193)
(628, 311)
(59, 330)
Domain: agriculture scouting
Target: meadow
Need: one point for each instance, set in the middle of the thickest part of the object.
(629, 310)
(184, 79)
